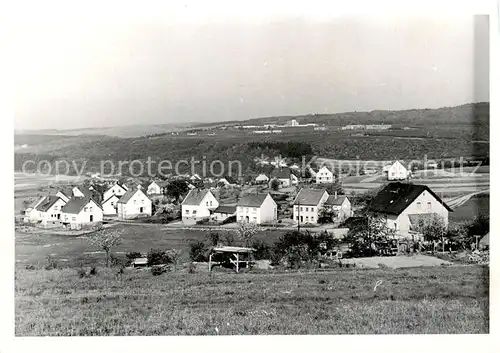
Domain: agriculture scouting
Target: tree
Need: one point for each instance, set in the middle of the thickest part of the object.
(106, 240)
(326, 215)
(176, 189)
(366, 237)
(432, 228)
(275, 184)
(246, 231)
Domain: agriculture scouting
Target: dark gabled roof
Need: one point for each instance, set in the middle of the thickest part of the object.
(335, 200)
(225, 209)
(252, 200)
(396, 197)
(230, 179)
(76, 204)
(195, 196)
(67, 191)
(47, 203)
(128, 195)
(281, 173)
(309, 197)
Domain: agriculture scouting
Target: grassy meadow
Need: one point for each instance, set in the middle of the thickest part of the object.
(445, 300)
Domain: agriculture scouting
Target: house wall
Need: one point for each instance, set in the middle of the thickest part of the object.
(154, 189)
(397, 172)
(114, 190)
(220, 217)
(308, 213)
(109, 207)
(324, 176)
(253, 214)
(91, 209)
(51, 217)
(132, 209)
(192, 213)
(268, 211)
(402, 223)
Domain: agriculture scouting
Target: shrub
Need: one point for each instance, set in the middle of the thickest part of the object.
(158, 257)
(198, 252)
(81, 272)
(296, 247)
(262, 250)
(157, 270)
(51, 263)
(117, 261)
(229, 238)
(214, 238)
(191, 268)
(203, 221)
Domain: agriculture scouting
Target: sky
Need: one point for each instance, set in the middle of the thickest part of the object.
(78, 71)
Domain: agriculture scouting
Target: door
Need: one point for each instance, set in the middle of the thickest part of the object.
(301, 219)
(92, 218)
(58, 216)
(141, 209)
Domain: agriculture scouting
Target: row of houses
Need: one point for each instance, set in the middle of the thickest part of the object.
(80, 206)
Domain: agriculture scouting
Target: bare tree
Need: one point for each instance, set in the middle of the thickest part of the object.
(246, 231)
(105, 240)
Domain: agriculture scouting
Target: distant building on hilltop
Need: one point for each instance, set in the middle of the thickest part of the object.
(292, 122)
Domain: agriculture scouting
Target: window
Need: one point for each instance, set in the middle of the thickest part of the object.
(429, 206)
(246, 209)
(112, 203)
(255, 218)
(207, 203)
(307, 218)
(86, 209)
(194, 211)
(312, 219)
(254, 210)
(142, 201)
(187, 211)
(307, 209)
(312, 209)
(419, 206)
(210, 203)
(135, 201)
(297, 218)
(301, 209)
(90, 209)
(73, 219)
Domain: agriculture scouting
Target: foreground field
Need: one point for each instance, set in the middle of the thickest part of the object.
(420, 300)
(72, 251)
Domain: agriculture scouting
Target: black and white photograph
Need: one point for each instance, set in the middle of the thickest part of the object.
(181, 173)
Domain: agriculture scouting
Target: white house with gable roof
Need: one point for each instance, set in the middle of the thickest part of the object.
(198, 205)
(134, 204)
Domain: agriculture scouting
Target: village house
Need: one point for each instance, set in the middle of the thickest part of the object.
(134, 204)
(118, 189)
(151, 188)
(396, 171)
(325, 176)
(197, 205)
(223, 212)
(307, 205)
(404, 205)
(285, 177)
(47, 211)
(257, 208)
(110, 206)
(81, 211)
(341, 205)
(261, 179)
(227, 181)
